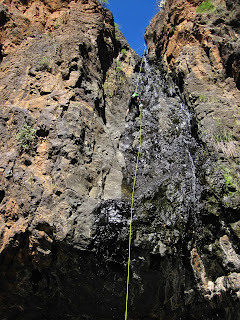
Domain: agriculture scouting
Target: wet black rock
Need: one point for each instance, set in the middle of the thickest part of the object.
(65, 205)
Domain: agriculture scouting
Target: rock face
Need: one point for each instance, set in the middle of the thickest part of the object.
(201, 53)
(196, 46)
(68, 157)
(65, 86)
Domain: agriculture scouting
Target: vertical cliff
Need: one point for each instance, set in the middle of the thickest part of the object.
(68, 157)
(65, 81)
(196, 46)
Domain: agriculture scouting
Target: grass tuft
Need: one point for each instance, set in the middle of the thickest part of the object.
(205, 7)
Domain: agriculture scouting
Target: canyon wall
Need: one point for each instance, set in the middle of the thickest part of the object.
(196, 46)
(68, 157)
(199, 53)
(65, 80)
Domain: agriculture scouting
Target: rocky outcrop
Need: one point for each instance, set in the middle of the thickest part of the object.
(201, 52)
(196, 45)
(67, 166)
(65, 81)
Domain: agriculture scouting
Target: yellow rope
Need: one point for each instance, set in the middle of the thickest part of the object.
(133, 190)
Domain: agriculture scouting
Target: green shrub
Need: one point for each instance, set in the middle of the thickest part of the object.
(228, 180)
(124, 52)
(117, 32)
(44, 61)
(202, 98)
(205, 6)
(223, 136)
(119, 66)
(103, 2)
(232, 178)
(26, 137)
(43, 64)
(117, 26)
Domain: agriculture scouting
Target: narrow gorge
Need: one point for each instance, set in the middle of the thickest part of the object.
(68, 157)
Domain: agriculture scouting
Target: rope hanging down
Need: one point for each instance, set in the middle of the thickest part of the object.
(133, 190)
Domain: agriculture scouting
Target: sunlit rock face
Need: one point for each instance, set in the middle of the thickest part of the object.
(68, 159)
(65, 81)
(200, 50)
(197, 49)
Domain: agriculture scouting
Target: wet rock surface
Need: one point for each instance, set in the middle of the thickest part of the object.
(67, 166)
(172, 217)
(198, 52)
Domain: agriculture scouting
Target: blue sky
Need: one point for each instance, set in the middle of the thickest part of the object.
(133, 16)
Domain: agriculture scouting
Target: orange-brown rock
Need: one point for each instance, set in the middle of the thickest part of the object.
(198, 52)
(68, 158)
(59, 134)
(201, 52)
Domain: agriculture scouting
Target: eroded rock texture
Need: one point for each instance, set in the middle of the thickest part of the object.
(68, 157)
(64, 90)
(198, 53)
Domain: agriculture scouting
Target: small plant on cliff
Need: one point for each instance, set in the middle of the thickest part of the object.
(117, 27)
(26, 138)
(222, 134)
(119, 66)
(205, 6)
(202, 98)
(103, 2)
(228, 180)
(44, 61)
(124, 52)
(56, 26)
(231, 177)
(224, 141)
(117, 31)
(43, 64)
